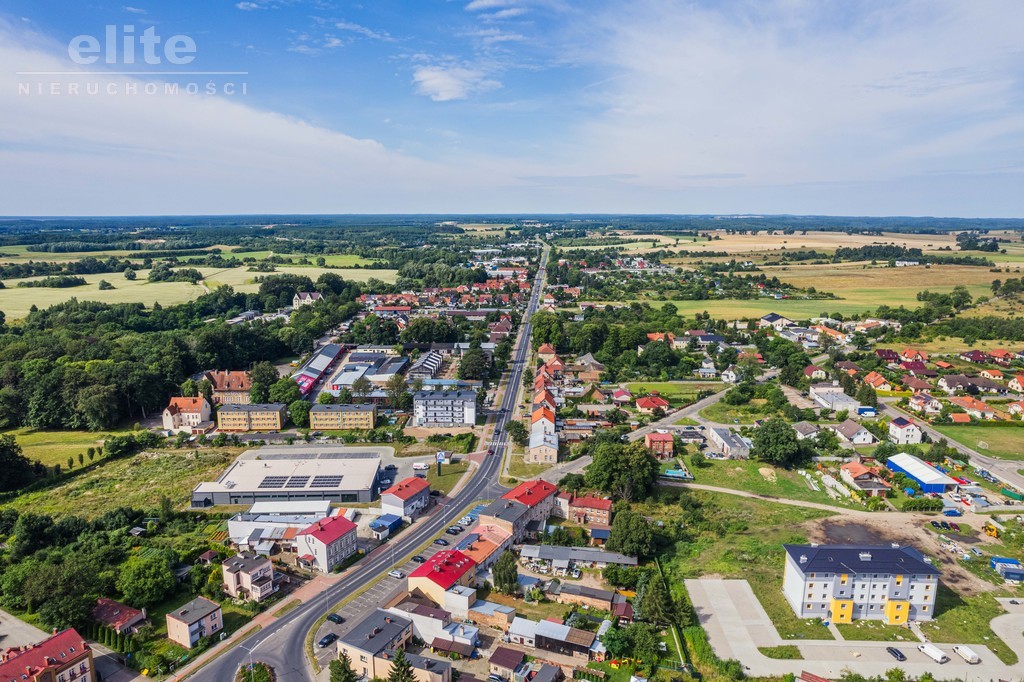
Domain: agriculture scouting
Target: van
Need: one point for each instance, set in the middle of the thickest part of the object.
(967, 654)
(421, 466)
(934, 653)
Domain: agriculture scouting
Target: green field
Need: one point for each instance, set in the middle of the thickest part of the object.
(1005, 442)
(722, 413)
(54, 447)
(676, 392)
(522, 471)
(740, 474)
(450, 475)
(137, 481)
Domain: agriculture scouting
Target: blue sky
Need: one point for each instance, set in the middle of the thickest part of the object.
(796, 106)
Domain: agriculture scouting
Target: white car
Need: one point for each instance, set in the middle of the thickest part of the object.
(421, 466)
(398, 575)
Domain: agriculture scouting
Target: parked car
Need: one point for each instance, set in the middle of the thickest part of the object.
(945, 525)
(896, 653)
(327, 640)
(952, 512)
(436, 493)
(391, 467)
(441, 542)
(955, 526)
(398, 575)
(977, 552)
(935, 524)
(335, 618)
(457, 529)
(418, 559)
(386, 482)
(420, 474)
(451, 531)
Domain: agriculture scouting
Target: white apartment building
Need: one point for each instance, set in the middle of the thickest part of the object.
(444, 408)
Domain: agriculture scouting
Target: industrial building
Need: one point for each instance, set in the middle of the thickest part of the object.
(925, 475)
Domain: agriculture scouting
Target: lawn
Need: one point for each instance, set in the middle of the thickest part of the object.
(1005, 442)
(521, 471)
(450, 475)
(54, 447)
(676, 392)
(966, 620)
(739, 474)
(722, 413)
(137, 481)
(785, 651)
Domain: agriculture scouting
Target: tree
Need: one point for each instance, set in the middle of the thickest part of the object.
(631, 534)
(325, 398)
(617, 642)
(298, 411)
(129, 275)
(146, 580)
(16, 470)
(506, 575)
(401, 669)
(341, 670)
(627, 473)
(775, 442)
(205, 389)
(285, 391)
(361, 388)
(262, 376)
(189, 388)
(866, 395)
(826, 440)
(517, 432)
(398, 395)
(657, 606)
(474, 365)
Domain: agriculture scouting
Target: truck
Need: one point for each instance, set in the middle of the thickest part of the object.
(966, 653)
(934, 653)
(1012, 494)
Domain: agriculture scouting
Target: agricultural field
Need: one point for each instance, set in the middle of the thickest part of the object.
(21, 254)
(1004, 442)
(766, 243)
(54, 447)
(137, 481)
(951, 345)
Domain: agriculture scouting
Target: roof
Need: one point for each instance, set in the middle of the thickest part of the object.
(503, 657)
(960, 418)
(591, 502)
(408, 488)
(660, 437)
(523, 627)
(902, 422)
(546, 349)
(195, 610)
(531, 493)
(774, 317)
(445, 568)
(329, 530)
(63, 646)
(859, 559)
(919, 470)
(343, 408)
(584, 554)
(849, 428)
(543, 413)
(446, 395)
(244, 562)
(969, 403)
(227, 380)
(376, 631)
(114, 614)
(186, 405)
(298, 469)
(652, 402)
(254, 407)
(805, 428)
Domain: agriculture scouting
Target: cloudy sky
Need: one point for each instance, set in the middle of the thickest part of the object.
(463, 106)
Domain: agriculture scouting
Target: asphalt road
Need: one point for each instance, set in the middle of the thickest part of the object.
(282, 643)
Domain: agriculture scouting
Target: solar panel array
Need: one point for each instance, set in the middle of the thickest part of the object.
(325, 482)
(297, 482)
(272, 482)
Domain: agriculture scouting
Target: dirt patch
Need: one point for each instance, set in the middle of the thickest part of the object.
(769, 474)
(903, 529)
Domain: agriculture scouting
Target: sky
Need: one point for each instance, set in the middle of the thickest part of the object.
(832, 107)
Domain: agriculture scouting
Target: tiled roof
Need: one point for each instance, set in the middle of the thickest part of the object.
(50, 654)
(408, 488)
(445, 568)
(531, 493)
(330, 529)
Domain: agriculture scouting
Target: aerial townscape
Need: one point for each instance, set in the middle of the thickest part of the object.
(511, 341)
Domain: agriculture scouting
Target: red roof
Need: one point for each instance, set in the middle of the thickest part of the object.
(403, 490)
(444, 568)
(651, 402)
(542, 413)
(546, 349)
(114, 614)
(229, 381)
(591, 502)
(960, 418)
(186, 405)
(530, 493)
(61, 649)
(657, 437)
(330, 529)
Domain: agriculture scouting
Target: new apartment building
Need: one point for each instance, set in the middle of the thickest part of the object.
(342, 417)
(255, 417)
(444, 408)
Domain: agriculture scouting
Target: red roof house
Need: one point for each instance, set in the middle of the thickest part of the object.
(531, 493)
(650, 403)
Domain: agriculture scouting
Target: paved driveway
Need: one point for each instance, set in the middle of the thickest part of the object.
(737, 625)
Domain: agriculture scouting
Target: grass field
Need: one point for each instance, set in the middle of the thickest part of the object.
(746, 475)
(54, 447)
(450, 475)
(676, 392)
(137, 481)
(1004, 442)
(949, 345)
(521, 471)
(16, 302)
(730, 414)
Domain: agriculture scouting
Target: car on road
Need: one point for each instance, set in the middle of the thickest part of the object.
(419, 560)
(396, 574)
(896, 653)
(1015, 602)
(327, 640)
(335, 618)
(490, 451)
(441, 542)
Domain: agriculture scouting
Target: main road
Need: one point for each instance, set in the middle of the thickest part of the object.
(282, 643)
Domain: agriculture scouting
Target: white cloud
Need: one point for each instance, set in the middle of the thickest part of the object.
(363, 31)
(248, 6)
(446, 83)
(134, 10)
(507, 13)
(477, 5)
(490, 36)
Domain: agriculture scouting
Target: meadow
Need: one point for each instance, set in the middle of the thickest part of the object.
(676, 392)
(54, 447)
(1004, 442)
(766, 242)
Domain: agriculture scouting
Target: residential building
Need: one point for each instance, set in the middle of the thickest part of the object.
(1016, 407)
(1017, 383)
(973, 407)
(270, 527)
(306, 298)
(730, 374)
(993, 374)
(877, 382)
(543, 418)
(342, 417)
(435, 626)
(661, 444)
(444, 408)
(193, 621)
(854, 433)
(729, 443)
(844, 583)
(590, 510)
(326, 544)
(371, 643)
(1002, 356)
(230, 387)
(427, 366)
(440, 572)
(930, 479)
(866, 480)
(775, 321)
(831, 396)
(62, 657)
(903, 431)
(913, 383)
(976, 356)
(815, 373)
(925, 402)
(562, 639)
(187, 414)
(248, 577)
(505, 662)
(119, 617)
(648, 404)
(530, 502)
(294, 472)
(406, 498)
(253, 417)
(591, 597)
(543, 447)
(914, 355)
(805, 430)
(587, 557)
(546, 353)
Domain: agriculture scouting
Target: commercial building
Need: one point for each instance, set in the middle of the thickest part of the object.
(326, 544)
(63, 657)
(190, 622)
(831, 396)
(318, 367)
(406, 498)
(252, 417)
(844, 583)
(230, 387)
(427, 366)
(248, 577)
(342, 417)
(442, 571)
(588, 557)
(274, 524)
(297, 472)
(191, 415)
(444, 408)
(925, 475)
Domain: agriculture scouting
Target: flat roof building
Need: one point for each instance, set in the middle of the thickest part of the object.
(925, 475)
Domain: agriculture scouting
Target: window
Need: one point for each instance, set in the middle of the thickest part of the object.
(362, 659)
(924, 608)
(927, 588)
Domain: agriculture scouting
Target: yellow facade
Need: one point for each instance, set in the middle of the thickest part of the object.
(250, 419)
(842, 610)
(335, 420)
(897, 612)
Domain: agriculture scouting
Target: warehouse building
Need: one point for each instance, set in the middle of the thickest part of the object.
(925, 475)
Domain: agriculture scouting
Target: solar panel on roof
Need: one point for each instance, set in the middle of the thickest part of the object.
(272, 481)
(297, 482)
(325, 482)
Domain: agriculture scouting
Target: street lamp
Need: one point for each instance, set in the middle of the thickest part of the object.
(252, 670)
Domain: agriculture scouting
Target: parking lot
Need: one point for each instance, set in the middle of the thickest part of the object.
(737, 625)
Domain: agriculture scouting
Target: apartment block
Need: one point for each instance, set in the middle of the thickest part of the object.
(342, 417)
(444, 408)
(255, 417)
(63, 657)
